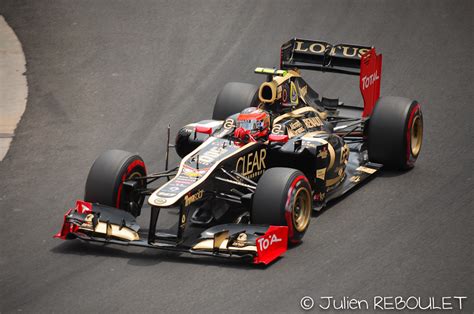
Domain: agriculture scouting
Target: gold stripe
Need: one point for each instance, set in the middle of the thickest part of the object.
(294, 113)
(297, 113)
(115, 231)
(332, 152)
(309, 135)
(336, 180)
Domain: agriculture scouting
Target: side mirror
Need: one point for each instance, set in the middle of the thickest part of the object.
(277, 138)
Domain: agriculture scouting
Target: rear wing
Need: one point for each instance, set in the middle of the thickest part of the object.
(342, 58)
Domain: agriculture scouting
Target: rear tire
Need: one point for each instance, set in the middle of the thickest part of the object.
(234, 98)
(104, 183)
(395, 132)
(283, 198)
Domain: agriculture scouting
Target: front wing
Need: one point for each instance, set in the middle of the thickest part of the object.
(261, 244)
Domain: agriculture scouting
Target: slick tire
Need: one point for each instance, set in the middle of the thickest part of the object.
(182, 143)
(283, 198)
(104, 183)
(395, 133)
(234, 98)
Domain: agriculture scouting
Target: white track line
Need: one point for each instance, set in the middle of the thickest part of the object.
(13, 85)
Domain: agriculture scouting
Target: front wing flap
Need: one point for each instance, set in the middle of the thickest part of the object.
(262, 244)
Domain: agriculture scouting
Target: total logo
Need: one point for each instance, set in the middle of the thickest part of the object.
(264, 243)
(367, 81)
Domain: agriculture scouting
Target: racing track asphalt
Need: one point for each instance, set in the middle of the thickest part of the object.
(113, 74)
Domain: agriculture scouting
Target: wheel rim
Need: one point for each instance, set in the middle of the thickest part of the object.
(416, 135)
(301, 209)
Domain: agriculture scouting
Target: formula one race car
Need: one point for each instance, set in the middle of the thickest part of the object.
(250, 177)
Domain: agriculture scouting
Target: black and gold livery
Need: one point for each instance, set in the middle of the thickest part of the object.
(240, 196)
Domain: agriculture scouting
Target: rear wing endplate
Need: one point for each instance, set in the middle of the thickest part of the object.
(342, 58)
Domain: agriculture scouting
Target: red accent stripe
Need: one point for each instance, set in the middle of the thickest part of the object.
(81, 207)
(65, 229)
(369, 80)
(251, 116)
(278, 138)
(130, 168)
(203, 129)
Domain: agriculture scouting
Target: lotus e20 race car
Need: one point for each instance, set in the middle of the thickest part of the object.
(251, 176)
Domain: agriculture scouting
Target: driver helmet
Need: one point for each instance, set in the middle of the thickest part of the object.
(253, 122)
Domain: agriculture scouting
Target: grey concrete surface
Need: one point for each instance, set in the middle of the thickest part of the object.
(13, 87)
(113, 74)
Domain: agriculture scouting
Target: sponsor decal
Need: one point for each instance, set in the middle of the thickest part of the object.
(229, 124)
(309, 144)
(182, 222)
(366, 170)
(321, 173)
(240, 241)
(295, 125)
(265, 242)
(87, 224)
(242, 237)
(312, 122)
(369, 80)
(355, 179)
(166, 194)
(295, 128)
(302, 46)
(252, 164)
(292, 133)
(319, 196)
(189, 199)
(293, 94)
(190, 172)
(277, 129)
(321, 47)
(159, 201)
(272, 244)
(180, 182)
(323, 153)
(284, 94)
(211, 155)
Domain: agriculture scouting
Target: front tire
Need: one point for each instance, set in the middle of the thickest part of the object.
(104, 183)
(395, 132)
(283, 198)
